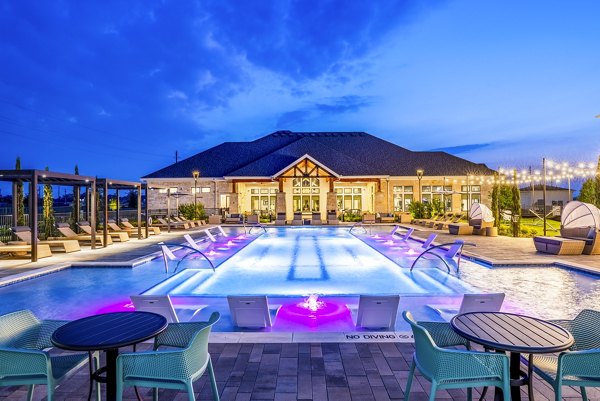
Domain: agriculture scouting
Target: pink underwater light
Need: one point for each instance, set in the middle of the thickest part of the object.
(312, 311)
(389, 242)
(411, 252)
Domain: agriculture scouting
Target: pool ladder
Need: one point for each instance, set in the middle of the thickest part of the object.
(168, 255)
(359, 224)
(458, 252)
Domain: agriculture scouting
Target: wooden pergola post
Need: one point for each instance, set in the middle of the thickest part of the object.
(105, 195)
(33, 214)
(91, 210)
(139, 213)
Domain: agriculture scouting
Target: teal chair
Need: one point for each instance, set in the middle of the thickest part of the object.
(581, 365)
(451, 368)
(174, 368)
(24, 359)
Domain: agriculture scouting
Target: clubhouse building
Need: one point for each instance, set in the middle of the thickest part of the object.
(351, 172)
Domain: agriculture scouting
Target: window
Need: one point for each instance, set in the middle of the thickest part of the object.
(205, 189)
(306, 194)
(263, 200)
(349, 198)
(474, 194)
(403, 197)
(164, 190)
(200, 190)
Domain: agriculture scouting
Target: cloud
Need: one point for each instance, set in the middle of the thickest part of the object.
(456, 150)
(334, 107)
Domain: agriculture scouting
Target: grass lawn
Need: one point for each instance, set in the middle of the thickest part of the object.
(532, 227)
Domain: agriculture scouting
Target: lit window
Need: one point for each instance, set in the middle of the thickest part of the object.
(205, 189)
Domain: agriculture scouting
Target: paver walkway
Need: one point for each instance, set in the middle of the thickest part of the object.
(284, 372)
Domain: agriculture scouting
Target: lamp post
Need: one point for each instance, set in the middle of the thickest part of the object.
(420, 173)
(195, 174)
(544, 197)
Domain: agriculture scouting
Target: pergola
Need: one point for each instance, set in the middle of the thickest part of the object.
(37, 177)
(106, 184)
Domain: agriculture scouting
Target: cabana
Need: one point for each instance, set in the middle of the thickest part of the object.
(581, 221)
(42, 177)
(106, 184)
(480, 218)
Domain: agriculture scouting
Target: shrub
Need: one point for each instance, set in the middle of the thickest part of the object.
(418, 210)
(187, 210)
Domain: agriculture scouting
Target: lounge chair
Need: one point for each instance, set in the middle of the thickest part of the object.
(198, 222)
(368, 218)
(43, 250)
(425, 222)
(332, 218)
(65, 230)
(298, 220)
(444, 219)
(234, 218)
(67, 245)
(112, 225)
(587, 234)
(442, 225)
(405, 236)
(252, 219)
(250, 311)
(24, 345)
(162, 305)
(471, 303)
(176, 368)
(377, 312)
(116, 236)
(127, 226)
(316, 219)
(176, 225)
(577, 367)
(280, 220)
(453, 369)
(559, 245)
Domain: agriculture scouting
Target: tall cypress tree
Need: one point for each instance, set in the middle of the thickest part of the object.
(48, 211)
(76, 192)
(516, 206)
(20, 198)
(597, 187)
(496, 201)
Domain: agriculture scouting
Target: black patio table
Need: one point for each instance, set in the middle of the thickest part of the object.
(108, 332)
(516, 334)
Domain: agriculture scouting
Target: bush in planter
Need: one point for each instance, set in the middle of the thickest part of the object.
(417, 209)
(187, 210)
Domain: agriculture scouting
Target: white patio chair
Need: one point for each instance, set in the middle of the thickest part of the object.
(377, 312)
(250, 311)
(162, 305)
(471, 303)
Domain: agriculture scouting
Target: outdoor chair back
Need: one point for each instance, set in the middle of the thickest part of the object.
(451, 368)
(176, 368)
(23, 359)
(580, 366)
(250, 311)
(377, 311)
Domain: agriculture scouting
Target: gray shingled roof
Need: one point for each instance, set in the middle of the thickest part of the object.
(346, 153)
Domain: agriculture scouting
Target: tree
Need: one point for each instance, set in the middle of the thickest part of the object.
(597, 187)
(496, 201)
(74, 210)
(516, 207)
(48, 211)
(20, 198)
(587, 193)
(132, 199)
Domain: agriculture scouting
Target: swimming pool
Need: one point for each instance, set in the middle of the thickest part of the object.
(292, 262)
(302, 261)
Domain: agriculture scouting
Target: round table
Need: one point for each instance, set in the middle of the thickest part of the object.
(108, 332)
(516, 334)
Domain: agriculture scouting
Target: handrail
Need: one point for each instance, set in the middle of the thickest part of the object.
(194, 250)
(441, 258)
(257, 225)
(357, 224)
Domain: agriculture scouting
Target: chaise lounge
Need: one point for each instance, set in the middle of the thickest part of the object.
(43, 250)
(67, 245)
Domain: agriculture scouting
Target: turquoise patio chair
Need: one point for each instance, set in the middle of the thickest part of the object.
(174, 368)
(450, 368)
(24, 359)
(581, 365)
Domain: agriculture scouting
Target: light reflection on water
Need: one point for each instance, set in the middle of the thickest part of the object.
(549, 292)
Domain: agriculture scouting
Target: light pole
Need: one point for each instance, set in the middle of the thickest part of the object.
(195, 174)
(420, 173)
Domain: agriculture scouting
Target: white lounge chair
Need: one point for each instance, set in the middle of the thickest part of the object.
(429, 241)
(405, 236)
(190, 241)
(377, 312)
(250, 311)
(162, 305)
(471, 303)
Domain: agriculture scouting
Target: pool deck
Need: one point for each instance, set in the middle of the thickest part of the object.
(307, 371)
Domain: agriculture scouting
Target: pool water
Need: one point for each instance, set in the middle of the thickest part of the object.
(302, 261)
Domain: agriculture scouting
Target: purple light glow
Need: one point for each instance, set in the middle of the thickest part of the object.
(389, 242)
(411, 252)
(211, 253)
(312, 312)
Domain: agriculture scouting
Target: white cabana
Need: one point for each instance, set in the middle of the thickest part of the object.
(579, 214)
(481, 212)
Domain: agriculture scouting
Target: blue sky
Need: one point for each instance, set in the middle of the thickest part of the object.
(118, 86)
